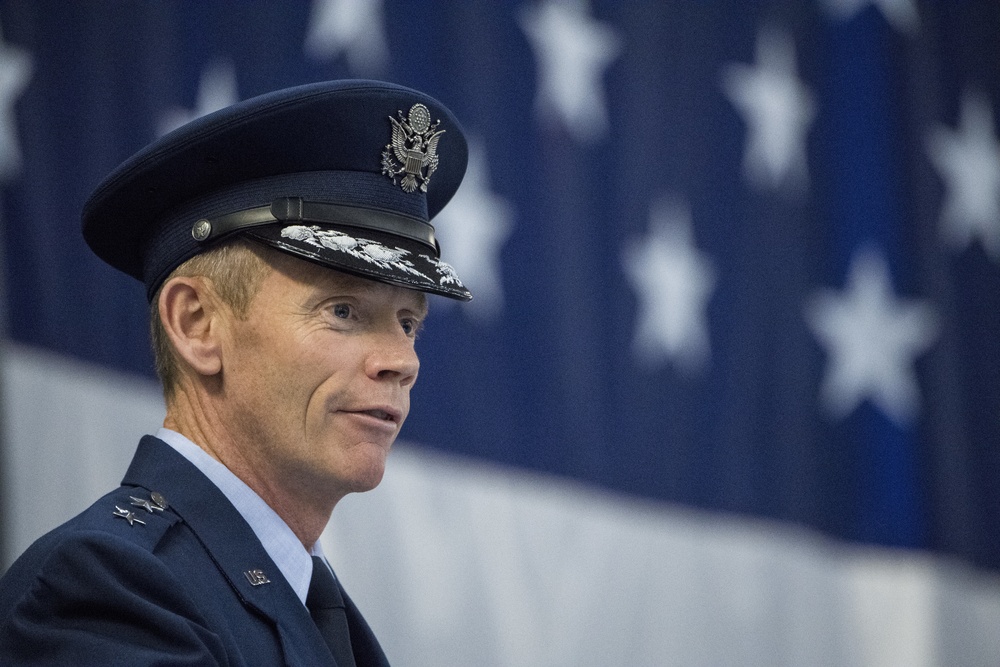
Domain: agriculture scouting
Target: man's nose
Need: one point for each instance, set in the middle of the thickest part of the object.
(393, 358)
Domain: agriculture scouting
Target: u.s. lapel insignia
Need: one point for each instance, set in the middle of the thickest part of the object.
(128, 515)
(256, 577)
(414, 145)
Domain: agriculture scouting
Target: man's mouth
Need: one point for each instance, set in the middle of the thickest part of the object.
(380, 414)
(385, 413)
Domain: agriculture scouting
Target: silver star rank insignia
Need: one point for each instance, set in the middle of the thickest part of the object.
(145, 504)
(128, 516)
(412, 153)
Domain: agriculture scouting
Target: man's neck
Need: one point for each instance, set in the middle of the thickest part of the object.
(305, 513)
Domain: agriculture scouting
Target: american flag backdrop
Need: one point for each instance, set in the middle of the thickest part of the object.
(729, 389)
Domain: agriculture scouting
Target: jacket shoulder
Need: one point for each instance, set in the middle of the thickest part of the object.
(127, 514)
(89, 590)
(112, 523)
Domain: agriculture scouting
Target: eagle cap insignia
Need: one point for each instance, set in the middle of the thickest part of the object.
(412, 153)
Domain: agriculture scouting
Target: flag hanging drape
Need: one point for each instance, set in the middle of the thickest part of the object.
(740, 258)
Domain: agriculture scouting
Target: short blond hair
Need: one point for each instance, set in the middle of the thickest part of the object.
(235, 270)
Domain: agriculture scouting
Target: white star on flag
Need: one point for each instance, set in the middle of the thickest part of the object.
(968, 160)
(216, 90)
(352, 27)
(674, 282)
(778, 110)
(872, 339)
(15, 72)
(901, 14)
(572, 51)
(473, 228)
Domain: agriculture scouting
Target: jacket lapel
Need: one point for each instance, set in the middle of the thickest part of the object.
(232, 545)
(367, 651)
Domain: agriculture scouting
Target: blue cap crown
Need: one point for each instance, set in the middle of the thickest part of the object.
(348, 174)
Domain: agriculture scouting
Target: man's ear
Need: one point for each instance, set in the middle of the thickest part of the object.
(191, 318)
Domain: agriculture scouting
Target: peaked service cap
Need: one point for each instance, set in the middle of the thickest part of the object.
(347, 174)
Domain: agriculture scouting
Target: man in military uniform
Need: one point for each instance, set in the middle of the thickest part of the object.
(286, 248)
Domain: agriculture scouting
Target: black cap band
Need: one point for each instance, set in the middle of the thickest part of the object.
(296, 209)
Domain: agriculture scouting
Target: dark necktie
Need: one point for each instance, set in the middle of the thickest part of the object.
(326, 606)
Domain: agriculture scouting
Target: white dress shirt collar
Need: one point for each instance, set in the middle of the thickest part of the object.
(278, 540)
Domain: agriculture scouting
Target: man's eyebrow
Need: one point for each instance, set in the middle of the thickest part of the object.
(350, 283)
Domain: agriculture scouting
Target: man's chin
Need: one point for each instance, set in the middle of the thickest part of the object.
(367, 466)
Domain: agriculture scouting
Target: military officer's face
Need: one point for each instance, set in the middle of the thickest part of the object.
(318, 377)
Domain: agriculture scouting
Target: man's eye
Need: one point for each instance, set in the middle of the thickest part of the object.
(409, 326)
(342, 311)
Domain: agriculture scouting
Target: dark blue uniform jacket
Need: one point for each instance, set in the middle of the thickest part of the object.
(104, 589)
